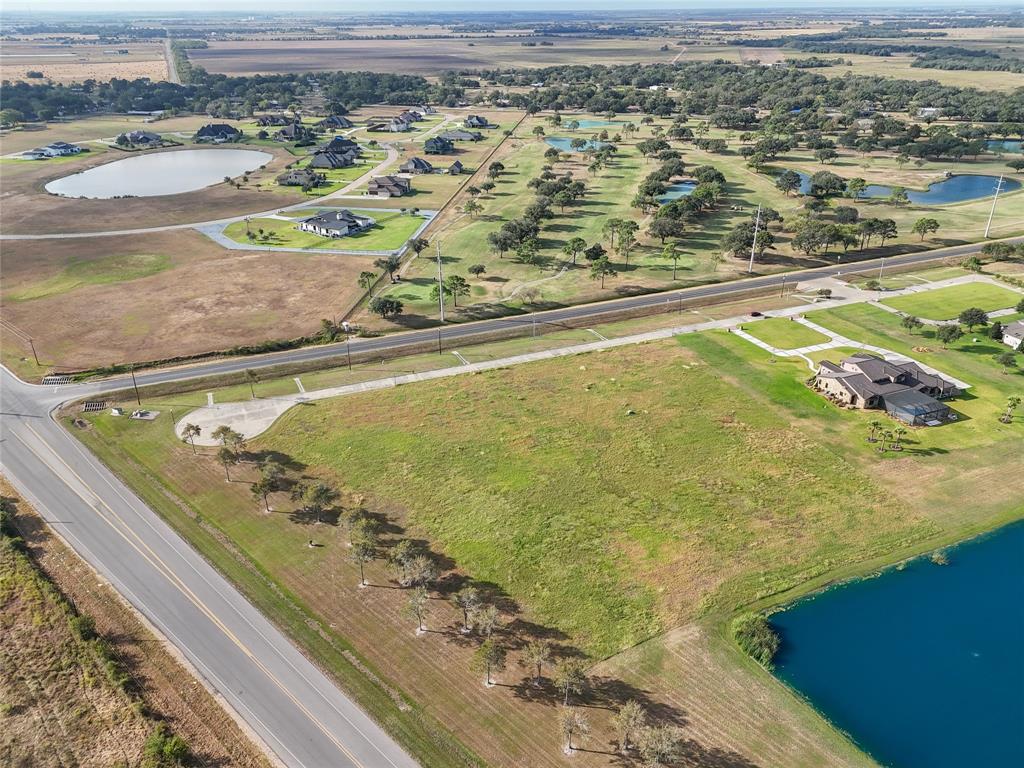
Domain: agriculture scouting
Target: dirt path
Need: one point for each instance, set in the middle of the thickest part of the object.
(172, 71)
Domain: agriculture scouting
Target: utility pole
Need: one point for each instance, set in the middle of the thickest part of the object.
(881, 267)
(753, 245)
(348, 351)
(138, 399)
(34, 355)
(995, 196)
(440, 281)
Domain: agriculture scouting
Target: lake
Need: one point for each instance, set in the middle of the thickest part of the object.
(677, 190)
(161, 173)
(954, 189)
(1010, 146)
(921, 666)
(563, 144)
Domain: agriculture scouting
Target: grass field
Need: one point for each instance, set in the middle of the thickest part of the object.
(784, 333)
(947, 303)
(702, 478)
(83, 59)
(391, 231)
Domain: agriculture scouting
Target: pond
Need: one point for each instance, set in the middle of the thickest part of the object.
(162, 173)
(677, 190)
(954, 189)
(1009, 146)
(921, 666)
(564, 144)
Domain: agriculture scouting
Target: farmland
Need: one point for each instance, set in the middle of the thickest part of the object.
(663, 545)
(83, 59)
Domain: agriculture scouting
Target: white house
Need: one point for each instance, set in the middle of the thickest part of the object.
(1013, 335)
(59, 149)
(336, 224)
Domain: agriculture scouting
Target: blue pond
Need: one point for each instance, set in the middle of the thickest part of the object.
(588, 123)
(922, 667)
(677, 190)
(1009, 146)
(563, 144)
(955, 189)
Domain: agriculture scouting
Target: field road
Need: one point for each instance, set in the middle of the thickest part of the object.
(172, 71)
(286, 701)
(298, 713)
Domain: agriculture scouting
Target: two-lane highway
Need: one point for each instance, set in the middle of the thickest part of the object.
(287, 702)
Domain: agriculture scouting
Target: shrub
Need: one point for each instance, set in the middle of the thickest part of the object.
(756, 637)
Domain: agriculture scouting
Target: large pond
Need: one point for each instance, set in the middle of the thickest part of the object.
(1010, 146)
(954, 189)
(563, 144)
(161, 173)
(677, 190)
(923, 666)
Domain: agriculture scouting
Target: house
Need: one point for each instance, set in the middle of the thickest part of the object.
(293, 132)
(1013, 335)
(437, 145)
(389, 186)
(269, 121)
(58, 149)
(301, 177)
(904, 390)
(460, 135)
(140, 139)
(331, 160)
(926, 113)
(455, 168)
(475, 121)
(336, 224)
(426, 109)
(416, 165)
(410, 116)
(217, 133)
(335, 123)
(394, 125)
(341, 145)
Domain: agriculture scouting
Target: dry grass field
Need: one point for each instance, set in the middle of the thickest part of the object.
(82, 60)
(95, 301)
(89, 129)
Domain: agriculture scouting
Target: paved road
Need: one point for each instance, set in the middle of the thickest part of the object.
(294, 708)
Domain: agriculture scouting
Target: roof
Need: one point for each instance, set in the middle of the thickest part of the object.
(418, 164)
(391, 181)
(1015, 328)
(331, 160)
(875, 368)
(339, 144)
(338, 220)
(912, 402)
(460, 135)
(217, 129)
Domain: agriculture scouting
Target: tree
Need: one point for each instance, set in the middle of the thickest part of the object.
(500, 242)
(468, 601)
(476, 269)
(825, 155)
(389, 264)
(472, 207)
(421, 570)
(827, 184)
(948, 334)
(670, 252)
(629, 720)
(788, 182)
(228, 458)
(570, 677)
(898, 196)
(456, 286)
(973, 316)
(925, 226)
(627, 238)
(1007, 360)
(189, 433)
(572, 723)
(363, 551)
(417, 606)
(659, 745)
(911, 323)
(418, 244)
(1012, 404)
(489, 657)
(855, 188)
(875, 427)
(846, 214)
(536, 654)
(366, 279)
(315, 498)
(609, 229)
(228, 437)
(562, 198)
(538, 131)
(528, 251)
(594, 252)
(600, 269)
(485, 618)
(574, 247)
(995, 331)
(253, 379)
(383, 306)
(664, 227)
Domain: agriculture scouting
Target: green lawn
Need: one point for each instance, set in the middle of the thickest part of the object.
(784, 333)
(391, 231)
(947, 303)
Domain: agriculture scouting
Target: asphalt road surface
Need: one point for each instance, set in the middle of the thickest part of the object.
(299, 714)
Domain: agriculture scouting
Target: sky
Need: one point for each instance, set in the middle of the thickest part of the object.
(177, 8)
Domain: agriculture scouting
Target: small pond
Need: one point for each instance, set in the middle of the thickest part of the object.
(677, 190)
(589, 123)
(161, 173)
(564, 144)
(954, 189)
(1009, 146)
(921, 666)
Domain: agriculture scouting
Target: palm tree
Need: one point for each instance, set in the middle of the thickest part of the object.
(190, 432)
(897, 435)
(1012, 404)
(875, 425)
